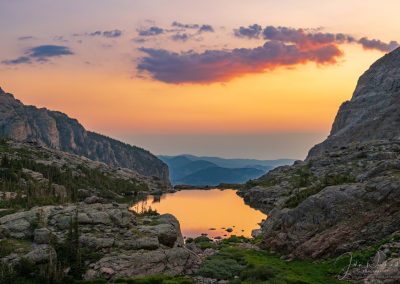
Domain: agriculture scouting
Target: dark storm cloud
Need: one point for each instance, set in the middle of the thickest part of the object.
(40, 53)
(377, 44)
(224, 65)
(151, 31)
(252, 31)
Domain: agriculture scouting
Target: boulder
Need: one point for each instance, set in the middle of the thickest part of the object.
(42, 236)
(110, 230)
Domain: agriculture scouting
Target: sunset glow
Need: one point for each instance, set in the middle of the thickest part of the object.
(103, 79)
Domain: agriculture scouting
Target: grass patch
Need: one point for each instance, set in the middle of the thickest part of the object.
(204, 242)
(7, 212)
(161, 279)
(10, 246)
(263, 182)
(311, 186)
(249, 266)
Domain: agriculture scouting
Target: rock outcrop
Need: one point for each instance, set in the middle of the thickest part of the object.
(333, 203)
(346, 195)
(32, 171)
(125, 245)
(57, 130)
(373, 111)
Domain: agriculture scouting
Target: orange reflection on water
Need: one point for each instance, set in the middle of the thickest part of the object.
(198, 211)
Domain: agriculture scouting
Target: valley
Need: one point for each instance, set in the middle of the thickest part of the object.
(79, 207)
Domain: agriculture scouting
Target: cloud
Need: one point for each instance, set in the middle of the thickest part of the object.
(199, 28)
(252, 31)
(151, 31)
(284, 46)
(114, 33)
(43, 52)
(16, 61)
(181, 37)
(304, 38)
(206, 29)
(307, 38)
(26, 37)
(109, 34)
(185, 26)
(224, 65)
(40, 53)
(377, 44)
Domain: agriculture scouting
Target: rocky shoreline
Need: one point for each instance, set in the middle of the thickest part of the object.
(125, 244)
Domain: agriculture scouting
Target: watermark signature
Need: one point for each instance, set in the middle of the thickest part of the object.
(382, 268)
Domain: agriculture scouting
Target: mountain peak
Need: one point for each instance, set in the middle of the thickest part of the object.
(373, 111)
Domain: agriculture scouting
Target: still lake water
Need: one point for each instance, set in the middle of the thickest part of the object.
(207, 211)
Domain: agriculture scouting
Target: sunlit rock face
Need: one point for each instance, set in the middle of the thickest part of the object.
(373, 111)
(345, 195)
(56, 130)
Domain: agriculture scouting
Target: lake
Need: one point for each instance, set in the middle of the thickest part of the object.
(208, 212)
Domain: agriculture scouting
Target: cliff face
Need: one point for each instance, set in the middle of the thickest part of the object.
(346, 195)
(373, 111)
(57, 130)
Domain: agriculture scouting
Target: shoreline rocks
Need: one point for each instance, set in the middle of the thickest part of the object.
(126, 246)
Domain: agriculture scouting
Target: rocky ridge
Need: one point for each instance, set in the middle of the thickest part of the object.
(58, 131)
(372, 113)
(345, 196)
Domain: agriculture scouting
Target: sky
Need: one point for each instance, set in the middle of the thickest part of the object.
(248, 79)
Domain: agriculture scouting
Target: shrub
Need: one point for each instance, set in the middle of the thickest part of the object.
(258, 273)
(220, 268)
(158, 279)
(235, 240)
(202, 239)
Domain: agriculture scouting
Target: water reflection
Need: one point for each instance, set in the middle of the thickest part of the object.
(218, 213)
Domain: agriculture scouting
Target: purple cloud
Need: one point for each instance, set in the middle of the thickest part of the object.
(181, 37)
(26, 37)
(253, 31)
(151, 31)
(303, 38)
(224, 65)
(206, 29)
(16, 61)
(377, 44)
(40, 53)
(199, 28)
(185, 26)
(108, 34)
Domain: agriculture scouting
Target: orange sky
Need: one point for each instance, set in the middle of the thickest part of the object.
(99, 84)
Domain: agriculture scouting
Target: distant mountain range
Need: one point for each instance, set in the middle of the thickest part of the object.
(202, 171)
